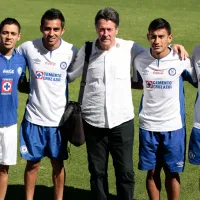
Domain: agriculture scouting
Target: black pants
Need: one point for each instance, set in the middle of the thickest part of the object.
(119, 142)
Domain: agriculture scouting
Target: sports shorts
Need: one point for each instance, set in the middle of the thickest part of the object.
(8, 145)
(194, 147)
(165, 149)
(37, 142)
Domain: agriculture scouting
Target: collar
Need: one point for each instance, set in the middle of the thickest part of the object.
(95, 49)
(48, 49)
(170, 50)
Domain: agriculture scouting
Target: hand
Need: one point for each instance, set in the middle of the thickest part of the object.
(180, 50)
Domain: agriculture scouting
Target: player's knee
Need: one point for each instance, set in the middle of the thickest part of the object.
(32, 165)
(172, 175)
(4, 169)
(153, 174)
(57, 165)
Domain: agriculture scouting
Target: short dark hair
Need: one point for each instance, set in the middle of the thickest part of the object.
(52, 14)
(107, 14)
(10, 21)
(160, 23)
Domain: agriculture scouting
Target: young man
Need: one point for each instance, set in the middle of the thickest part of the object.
(12, 72)
(107, 106)
(161, 117)
(48, 60)
(194, 143)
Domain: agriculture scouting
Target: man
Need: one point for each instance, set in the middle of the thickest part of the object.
(194, 143)
(161, 117)
(12, 72)
(107, 106)
(48, 60)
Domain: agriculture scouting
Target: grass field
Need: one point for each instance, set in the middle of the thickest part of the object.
(135, 16)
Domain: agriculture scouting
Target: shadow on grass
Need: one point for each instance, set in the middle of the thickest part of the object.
(42, 192)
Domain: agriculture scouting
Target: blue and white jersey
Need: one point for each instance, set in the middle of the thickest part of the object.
(48, 81)
(162, 105)
(11, 70)
(196, 64)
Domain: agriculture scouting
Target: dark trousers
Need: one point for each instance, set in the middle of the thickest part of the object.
(117, 141)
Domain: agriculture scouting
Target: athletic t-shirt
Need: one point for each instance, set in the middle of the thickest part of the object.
(162, 104)
(48, 81)
(196, 64)
(11, 71)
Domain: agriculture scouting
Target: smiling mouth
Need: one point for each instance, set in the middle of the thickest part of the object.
(50, 39)
(105, 40)
(8, 42)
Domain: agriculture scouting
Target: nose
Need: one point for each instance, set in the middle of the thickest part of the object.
(9, 36)
(157, 40)
(105, 32)
(51, 32)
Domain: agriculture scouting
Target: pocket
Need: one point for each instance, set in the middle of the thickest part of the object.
(122, 73)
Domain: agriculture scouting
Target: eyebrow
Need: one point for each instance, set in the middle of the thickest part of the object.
(9, 32)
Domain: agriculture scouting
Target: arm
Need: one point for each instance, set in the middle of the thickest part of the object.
(76, 67)
(23, 84)
(180, 50)
(136, 80)
(189, 74)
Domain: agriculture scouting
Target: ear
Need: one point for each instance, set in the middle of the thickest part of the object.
(19, 37)
(117, 30)
(41, 28)
(170, 38)
(63, 31)
(148, 36)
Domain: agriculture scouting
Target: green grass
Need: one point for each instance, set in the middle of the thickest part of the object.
(135, 17)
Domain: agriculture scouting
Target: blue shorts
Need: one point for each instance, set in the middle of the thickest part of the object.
(165, 149)
(194, 147)
(37, 142)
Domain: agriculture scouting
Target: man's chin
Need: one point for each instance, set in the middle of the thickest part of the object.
(106, 45)
(156, 51)
(51, 43)
(8, 47)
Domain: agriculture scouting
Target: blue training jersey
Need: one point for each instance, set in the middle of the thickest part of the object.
(11, 70)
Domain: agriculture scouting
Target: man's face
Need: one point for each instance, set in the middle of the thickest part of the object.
(52, 31)
(159, 41)
(107, 32)
(9, 35)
